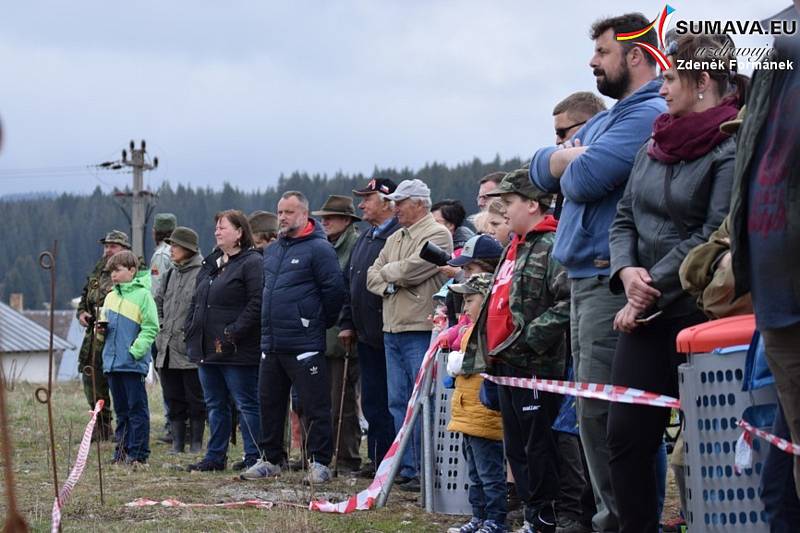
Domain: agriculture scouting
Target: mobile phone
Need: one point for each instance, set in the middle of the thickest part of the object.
(648, 319)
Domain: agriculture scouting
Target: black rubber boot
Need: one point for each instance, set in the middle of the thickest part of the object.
(178, 436)
(198, 426)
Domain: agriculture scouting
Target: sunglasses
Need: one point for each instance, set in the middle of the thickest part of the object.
(561, 133)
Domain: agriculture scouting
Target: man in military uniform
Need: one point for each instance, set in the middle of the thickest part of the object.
(98, 284)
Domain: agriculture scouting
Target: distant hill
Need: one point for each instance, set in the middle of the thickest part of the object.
(15, 197)
(33, 221)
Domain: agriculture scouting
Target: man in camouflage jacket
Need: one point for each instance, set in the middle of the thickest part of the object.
(98, 285)
(521, 332)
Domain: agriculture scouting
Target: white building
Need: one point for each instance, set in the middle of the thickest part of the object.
(24, 348)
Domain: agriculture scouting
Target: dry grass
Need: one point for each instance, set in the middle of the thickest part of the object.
(163, 480)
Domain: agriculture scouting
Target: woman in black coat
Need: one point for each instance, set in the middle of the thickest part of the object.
(222, 337)
(678, 192)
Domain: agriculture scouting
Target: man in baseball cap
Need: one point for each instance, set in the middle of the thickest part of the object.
(407, 284)
(410, 189)
(362, 327)
(379, 185)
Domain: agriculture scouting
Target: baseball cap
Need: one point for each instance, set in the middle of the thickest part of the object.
(410, 189)
(477, 284)
(478, 247)
(382, 185)
(519, 182)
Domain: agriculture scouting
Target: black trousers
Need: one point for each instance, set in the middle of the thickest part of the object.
(308, 372)
(183, 394)
(530, 442)
(575, 499)
(645, 359)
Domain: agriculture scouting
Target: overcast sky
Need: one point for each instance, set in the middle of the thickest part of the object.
(247, 90)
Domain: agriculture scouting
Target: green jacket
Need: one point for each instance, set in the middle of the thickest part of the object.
(539, 304)
(758, 108)
(343, 246)
(98, 285)
(132, 325)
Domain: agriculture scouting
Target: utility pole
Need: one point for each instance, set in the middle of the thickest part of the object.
(140, 198)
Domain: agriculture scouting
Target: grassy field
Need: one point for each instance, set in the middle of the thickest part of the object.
(164, 479)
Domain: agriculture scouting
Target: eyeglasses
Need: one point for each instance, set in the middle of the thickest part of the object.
(562, 132)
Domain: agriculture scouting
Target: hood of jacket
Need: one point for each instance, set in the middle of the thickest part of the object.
(140, 280)
(642, 94)
(549, 223)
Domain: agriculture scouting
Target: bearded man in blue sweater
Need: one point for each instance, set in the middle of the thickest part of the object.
(591, 173)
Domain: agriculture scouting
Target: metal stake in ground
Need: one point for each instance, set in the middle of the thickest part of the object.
(47, 260)
(341, 410)
(90, 370)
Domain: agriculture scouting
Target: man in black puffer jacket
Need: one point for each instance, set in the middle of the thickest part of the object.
(303, 294)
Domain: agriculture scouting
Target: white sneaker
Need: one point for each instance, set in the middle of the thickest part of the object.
(317, 473)
(261, 470)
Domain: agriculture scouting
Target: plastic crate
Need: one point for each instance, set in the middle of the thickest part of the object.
(712, 400)
(450, 476)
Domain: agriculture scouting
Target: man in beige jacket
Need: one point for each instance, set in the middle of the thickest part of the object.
(407, 284)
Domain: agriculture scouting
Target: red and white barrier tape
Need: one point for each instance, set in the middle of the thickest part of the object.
(782, 444)
(611, 393)
(77, 469)
(365, 499)
(258, 504)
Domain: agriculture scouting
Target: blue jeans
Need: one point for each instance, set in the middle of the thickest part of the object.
(777, 483)
(133, 415)
(661, 476)
(375, 401)
(240, 382)
(404, 354)
(487, 478)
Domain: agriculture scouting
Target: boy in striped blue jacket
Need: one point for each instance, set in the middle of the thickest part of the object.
(130, 321)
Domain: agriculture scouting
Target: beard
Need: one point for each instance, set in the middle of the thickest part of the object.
(289, 230)
(613, 87)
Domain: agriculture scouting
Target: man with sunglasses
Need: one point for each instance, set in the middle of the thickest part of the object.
(573, 112)
(575, 504)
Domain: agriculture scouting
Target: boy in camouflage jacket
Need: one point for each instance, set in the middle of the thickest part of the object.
(521, 332)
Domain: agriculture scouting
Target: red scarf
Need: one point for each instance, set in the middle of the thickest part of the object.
(691, 136)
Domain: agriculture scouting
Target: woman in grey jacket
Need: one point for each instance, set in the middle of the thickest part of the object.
(179, 380)
(678, 193)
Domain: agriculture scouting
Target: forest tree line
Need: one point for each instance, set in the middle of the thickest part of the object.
(78, 221)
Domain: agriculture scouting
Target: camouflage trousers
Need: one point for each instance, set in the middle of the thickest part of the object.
(100, 385)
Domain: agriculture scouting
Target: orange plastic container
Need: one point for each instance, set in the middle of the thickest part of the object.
(708, 336)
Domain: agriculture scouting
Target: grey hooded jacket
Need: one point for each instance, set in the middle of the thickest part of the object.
(174, 302)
